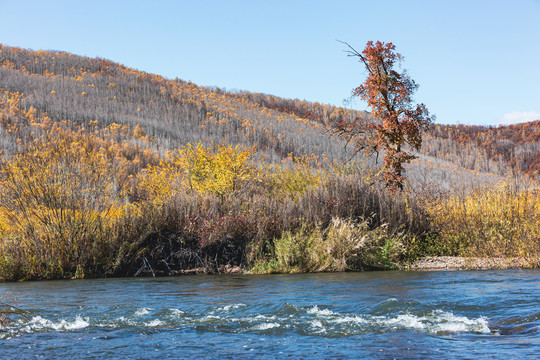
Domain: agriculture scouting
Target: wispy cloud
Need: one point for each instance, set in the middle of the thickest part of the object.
(515, 117)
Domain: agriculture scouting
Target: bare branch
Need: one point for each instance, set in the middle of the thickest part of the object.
(353, 52)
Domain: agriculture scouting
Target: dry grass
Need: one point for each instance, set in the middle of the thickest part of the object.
(344, 245)
(502, 221)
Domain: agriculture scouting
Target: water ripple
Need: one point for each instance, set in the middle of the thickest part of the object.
(388, 316)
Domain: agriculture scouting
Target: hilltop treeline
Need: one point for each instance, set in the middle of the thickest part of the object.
(111, 171)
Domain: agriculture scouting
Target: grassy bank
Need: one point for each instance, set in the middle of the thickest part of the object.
(77, 216)
(500, 221)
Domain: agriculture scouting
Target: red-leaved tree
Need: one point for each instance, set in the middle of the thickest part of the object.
(395, 121)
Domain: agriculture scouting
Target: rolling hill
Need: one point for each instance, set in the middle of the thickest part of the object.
(108, 170)
(175, 112)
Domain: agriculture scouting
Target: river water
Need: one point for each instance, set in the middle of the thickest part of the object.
(378, 315)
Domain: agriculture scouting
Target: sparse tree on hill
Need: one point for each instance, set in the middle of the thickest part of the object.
(395, 120)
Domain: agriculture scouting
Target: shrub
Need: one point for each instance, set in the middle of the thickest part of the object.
(59, 200)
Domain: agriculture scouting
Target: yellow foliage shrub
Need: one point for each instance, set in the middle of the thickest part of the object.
(221, 170)
(500, 221)
(295, 180)
(160, 182)
(59, 197)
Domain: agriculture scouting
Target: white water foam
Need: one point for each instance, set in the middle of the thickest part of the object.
(317, 320)
(404, 321)
(210, 318)
(316, 323)
(320, 312)
(177, 313)
(436, 322)
(227, 308)
(448, 322)
(38, 323)
(350, 319)
(154, 323)
(231, 307)
(141, 312)
(265, 326)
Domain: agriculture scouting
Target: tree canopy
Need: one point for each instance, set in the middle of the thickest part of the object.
(395, 120)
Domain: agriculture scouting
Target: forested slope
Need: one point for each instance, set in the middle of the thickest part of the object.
(107, 170)
(172, 112)
(175, 112)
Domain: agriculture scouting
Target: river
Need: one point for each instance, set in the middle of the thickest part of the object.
(374, 315)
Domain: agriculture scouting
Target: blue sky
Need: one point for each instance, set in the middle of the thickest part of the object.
(477, 62)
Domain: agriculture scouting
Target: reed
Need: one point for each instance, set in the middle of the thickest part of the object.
(502, 221)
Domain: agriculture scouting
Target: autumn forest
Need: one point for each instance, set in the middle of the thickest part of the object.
(110, 171)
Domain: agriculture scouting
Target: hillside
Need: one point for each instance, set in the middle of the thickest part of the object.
(511, 149)
(107, 170)
(172, 112)
(175, 112)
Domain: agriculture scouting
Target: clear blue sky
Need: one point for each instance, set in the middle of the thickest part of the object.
(477, 62)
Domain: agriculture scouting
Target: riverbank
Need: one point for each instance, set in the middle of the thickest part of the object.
(428, 263)
(472, 263)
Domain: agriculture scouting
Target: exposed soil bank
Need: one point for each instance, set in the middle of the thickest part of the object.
(473, 263)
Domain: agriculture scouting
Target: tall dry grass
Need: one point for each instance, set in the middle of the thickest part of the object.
(345, 245)
(501, 221)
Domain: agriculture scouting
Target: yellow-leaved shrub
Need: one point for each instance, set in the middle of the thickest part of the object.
(220, 170)
(60, 197)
